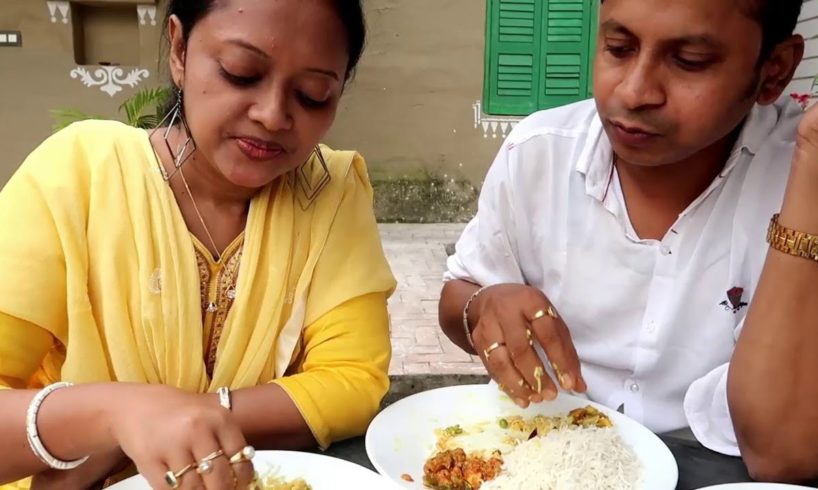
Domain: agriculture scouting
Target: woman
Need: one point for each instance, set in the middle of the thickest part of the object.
(205, 289)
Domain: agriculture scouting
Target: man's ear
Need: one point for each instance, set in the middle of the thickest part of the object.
(779, 69)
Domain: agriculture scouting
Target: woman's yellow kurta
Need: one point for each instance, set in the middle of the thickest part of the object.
(99, 281)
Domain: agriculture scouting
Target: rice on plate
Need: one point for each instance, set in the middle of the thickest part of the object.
(474, 434)
(578, 450)
(570, 459)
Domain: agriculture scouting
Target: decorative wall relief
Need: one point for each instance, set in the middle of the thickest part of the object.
(496, 126)
(109, 79)
(146, 13)
(59, 11)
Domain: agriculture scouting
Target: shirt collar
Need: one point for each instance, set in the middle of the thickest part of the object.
(596, 159)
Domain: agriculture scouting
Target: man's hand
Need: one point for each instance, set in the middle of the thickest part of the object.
(508, 319)
(807, 138)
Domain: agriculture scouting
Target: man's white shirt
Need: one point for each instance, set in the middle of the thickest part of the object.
(654, 322)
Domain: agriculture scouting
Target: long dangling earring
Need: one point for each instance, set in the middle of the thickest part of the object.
(174, 117)
(304, 177)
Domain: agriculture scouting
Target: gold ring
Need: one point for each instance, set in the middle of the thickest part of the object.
(212, 456)
(528, 333)
(205, 464)
(550, 311)
(204, 467)
(493, 347)
(172, 478)
(246, 454)
(538, 374)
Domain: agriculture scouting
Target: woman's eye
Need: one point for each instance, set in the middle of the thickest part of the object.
(311, 103)
(238, 80)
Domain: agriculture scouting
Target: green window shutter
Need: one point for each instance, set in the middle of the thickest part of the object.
(566, 51)
(513, 70)
(592, 43)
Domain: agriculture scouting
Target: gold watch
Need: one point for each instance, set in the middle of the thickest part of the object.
(789, 241)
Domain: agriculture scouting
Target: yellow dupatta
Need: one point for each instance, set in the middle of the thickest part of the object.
(95, 251)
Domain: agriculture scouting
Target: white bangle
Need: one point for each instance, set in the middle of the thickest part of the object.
(224, 398)
(466, 327)
(33, 434)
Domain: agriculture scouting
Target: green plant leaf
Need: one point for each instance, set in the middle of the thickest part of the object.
(146, 100)
(65, 117)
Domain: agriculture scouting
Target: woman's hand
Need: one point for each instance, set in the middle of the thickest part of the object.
(163, 429)
(91, 474)
(508, 319)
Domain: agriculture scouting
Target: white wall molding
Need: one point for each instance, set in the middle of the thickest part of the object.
(147, 14)
(494, 126)
(59, 11)
(109, 79)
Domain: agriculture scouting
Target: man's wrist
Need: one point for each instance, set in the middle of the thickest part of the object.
(471, 315)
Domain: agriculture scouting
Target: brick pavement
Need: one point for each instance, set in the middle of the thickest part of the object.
(417, 256)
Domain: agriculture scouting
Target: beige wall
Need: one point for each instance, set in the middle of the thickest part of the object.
(408, 110)
(410, 106)
(35, 78)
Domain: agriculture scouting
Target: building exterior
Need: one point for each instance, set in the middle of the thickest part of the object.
(442, 81)
(805, 77)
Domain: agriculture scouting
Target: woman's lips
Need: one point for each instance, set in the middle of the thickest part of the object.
(259, 150)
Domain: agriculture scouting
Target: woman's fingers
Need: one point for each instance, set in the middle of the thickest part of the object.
(211, 462)
(155, 472)
(238, 455)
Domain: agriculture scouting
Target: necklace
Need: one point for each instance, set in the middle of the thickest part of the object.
(231, 294)
(231, 289)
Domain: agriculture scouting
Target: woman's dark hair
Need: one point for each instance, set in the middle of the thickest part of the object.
(190, 12)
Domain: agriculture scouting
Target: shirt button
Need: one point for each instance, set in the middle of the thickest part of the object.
(634, 388)
(665, 250)
(651, 326)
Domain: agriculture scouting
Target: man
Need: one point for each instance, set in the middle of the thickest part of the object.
(622, 240)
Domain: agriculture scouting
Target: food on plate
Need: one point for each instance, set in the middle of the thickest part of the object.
(507, 432)
(407, 477)
(507, 452)
(275, 482)
(454, 470)
(576, 458)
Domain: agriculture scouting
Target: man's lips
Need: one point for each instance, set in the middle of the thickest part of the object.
(631, 135)
(634, 128)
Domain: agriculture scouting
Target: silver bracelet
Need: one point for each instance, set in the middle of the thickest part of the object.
(466, 327)
(37, 446)
(224, 398)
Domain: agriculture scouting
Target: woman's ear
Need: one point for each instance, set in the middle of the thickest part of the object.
(178, 46)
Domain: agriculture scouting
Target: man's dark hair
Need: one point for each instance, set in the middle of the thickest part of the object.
(778, 19)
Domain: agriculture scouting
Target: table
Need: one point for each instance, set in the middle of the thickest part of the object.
(698, 466)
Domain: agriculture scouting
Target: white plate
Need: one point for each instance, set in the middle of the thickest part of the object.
(755, 486)
(401, 438)
(321, 472)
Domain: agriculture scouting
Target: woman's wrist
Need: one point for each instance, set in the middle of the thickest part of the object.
(76, 421)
